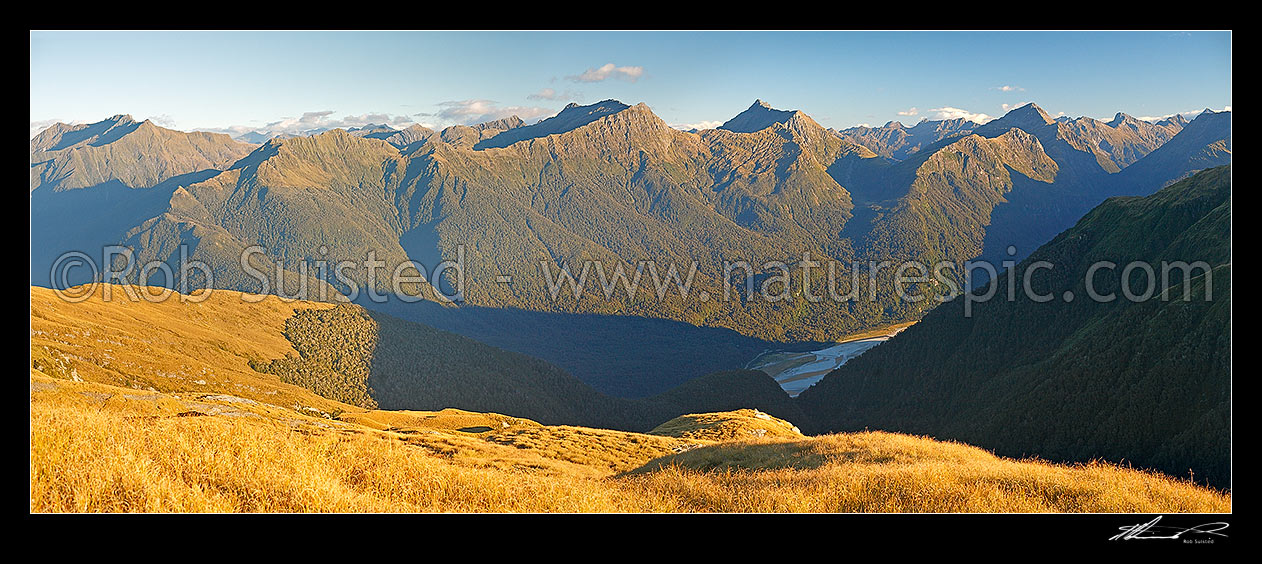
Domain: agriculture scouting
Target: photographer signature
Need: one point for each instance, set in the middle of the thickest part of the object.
(1151, 530)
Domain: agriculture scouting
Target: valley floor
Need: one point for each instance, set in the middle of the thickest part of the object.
(797, 371)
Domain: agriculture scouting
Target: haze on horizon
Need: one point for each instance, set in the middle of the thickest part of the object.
(292, 82)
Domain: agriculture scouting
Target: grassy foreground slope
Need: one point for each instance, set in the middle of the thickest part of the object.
(332, 358)
(170, 345)
(96, 447)
(155, 407)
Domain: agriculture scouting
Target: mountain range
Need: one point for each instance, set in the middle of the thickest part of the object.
(608, 182)
(1142, 381)
(1147, 380)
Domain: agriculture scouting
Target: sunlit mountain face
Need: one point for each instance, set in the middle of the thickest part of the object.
(582, 272)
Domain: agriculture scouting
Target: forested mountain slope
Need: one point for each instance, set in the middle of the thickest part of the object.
(1147, 381)
(607, 189)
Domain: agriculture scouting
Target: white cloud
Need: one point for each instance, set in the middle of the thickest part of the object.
(324, 120)
(310, 122)
(698, 126)
(1010, 107)
(1191, 114)
(552, 94)
(1008, 88)
(609, 70)
(954, 113)
(474, 111)
(909, 111)
(40, 125)
(163, 120)
(465, 112)
(545, 94)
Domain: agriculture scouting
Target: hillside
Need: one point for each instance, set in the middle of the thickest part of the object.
(101, 448)
(1095, 160)
(946, 212)
(1204, 142)
(1125, 139)
(139, 406)
(411, 137)
(897, 141)
(1148, 381)
(121, 149)
(326, 358)
(611, 193)
(91, 183)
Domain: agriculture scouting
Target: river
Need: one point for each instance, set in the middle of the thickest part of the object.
(797, 371)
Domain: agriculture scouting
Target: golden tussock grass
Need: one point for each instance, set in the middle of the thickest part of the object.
(99, 448)
(609, 451)
(445, 420)
(727, 426)
(168, 346)
(888, 472)
(85, 460)
(140, 407)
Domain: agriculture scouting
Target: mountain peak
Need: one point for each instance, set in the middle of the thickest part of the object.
(1176, 119)
(1031, 112)
(571, 117)
(256, 137)
(64, 136)
(413, 136)
(1120, 118)
(758, 117)
(596, 110)
(1029, 118)
(509, 122)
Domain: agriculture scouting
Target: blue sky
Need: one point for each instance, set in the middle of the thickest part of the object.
(237, 81)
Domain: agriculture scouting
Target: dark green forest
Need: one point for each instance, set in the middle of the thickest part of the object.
(373, 360)
(1146, 381)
